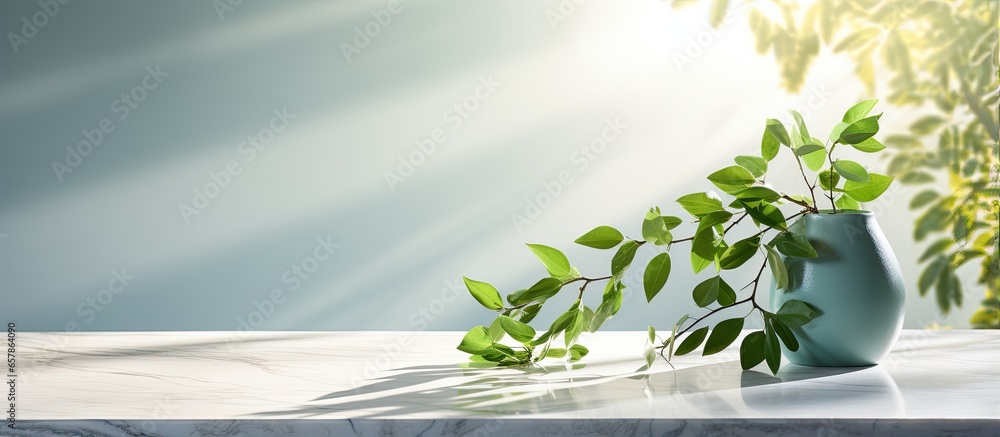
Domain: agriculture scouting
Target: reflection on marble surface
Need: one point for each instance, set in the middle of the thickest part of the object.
(269, 383)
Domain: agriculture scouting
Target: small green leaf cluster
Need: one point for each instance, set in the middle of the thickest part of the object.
(773, 237)
(942, 59)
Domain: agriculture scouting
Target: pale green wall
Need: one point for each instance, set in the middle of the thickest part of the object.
(323, 174)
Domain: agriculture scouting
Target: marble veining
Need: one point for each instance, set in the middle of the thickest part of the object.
(416, 383)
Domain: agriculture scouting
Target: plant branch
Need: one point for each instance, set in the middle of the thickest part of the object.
(698, 320)
(751, 299)
(586, 282)
(731, 225)
(830, 157)
(586, 279)
(799, 202)
(805, 178)
(753, 294)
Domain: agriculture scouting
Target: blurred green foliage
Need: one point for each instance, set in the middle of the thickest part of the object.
(941, 58)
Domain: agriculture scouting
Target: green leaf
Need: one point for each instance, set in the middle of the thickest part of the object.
(601, 237)
(673, 336)
(766, 214)
(603, 311)
(541, 290)
(577, 352)
(937, 248)
(609, 305)
(479, 359)
(706, 243)
(927, 124)
(649, 354)
(727, 296)
(837, 130)
(847, 203)
(777, 268)
(851, 170)
(916, 177)
(555, 261)
(529, 312)
(496, 331)
(923, 198)
(795, 313)
(779, 132)
(809, 148)
(785, 334)
(772, 351)
(801, 124)
(706, 292)
(517, 330)
(476, 341)
(983, 240)
(556, 352)
(752, 350)
(739, 253)
(903, 141)
(945, 291)
(559, 325)
(692, 341)
(623, 259)
(717, 13)
(870, 145)
(857, 38)
(574, 328)
(671, 222)
(769, 145)
(732, 177)
(934, 219)
(698, 263)
(699, 204)
(828, 179)
(758, 193)
(723, 335)
(794, 244)
(500, 353)
(711, 219)
(486, 294)
(656, 275)
(860, 130)
(516, 296)
(930, 274)
(859, 111)
(618, 296)
(756, 165)
(868, 191)
(761, 27)
(654, 228)
(815, 160)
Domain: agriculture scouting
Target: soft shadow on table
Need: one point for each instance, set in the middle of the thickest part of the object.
(552, 389)
(227, 350)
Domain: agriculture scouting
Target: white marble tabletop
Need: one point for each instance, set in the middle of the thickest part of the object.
(416, 383)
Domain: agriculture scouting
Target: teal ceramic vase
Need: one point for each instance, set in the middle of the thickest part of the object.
(856, 285)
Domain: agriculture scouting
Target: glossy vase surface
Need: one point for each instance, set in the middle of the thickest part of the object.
(856, 285)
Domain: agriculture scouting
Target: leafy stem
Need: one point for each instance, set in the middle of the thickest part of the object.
(714, 221)
(806, 205)
(751, 299)
(830, 157)
(812, 187)
(586, 280)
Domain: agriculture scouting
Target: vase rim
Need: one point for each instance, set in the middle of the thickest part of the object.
(827, 212)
